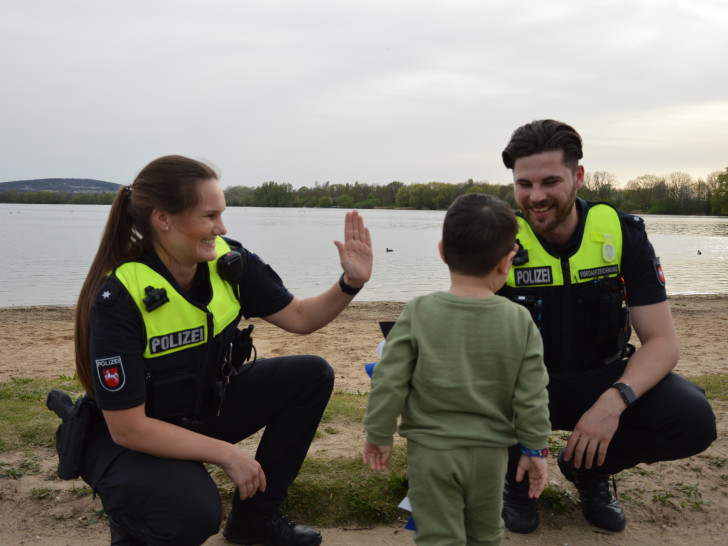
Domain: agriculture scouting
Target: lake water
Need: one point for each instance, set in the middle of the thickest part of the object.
(46, 250)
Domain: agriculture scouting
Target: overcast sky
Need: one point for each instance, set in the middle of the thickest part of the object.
(370, 91)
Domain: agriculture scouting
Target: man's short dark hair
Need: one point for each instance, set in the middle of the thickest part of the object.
(544, 135)
(477, 232)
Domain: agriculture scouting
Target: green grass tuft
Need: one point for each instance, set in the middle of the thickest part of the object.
(716, 386)
(25, 421)
(345, 406)
(330, 492)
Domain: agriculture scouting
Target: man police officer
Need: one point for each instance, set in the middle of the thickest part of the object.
(588, 274)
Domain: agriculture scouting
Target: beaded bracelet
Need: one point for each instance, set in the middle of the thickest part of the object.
(535, 452)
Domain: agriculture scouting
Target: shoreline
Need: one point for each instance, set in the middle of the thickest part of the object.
(37, 341)
(670, 297)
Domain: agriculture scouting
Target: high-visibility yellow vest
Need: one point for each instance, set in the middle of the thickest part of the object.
(178, 324)
(599, 254)
(576, 300)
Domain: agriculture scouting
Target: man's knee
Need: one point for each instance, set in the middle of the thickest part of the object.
(700, 431)
(689, 417)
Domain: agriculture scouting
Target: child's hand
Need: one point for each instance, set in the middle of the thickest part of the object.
(537, 474)
(376, 456)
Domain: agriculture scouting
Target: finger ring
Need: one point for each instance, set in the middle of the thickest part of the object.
(250, 486)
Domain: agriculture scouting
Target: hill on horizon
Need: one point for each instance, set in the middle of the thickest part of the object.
(68, 185)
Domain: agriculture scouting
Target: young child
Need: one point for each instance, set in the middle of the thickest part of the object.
(464, 369)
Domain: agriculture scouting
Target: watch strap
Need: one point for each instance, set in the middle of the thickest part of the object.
(627, 393)
(346, 289)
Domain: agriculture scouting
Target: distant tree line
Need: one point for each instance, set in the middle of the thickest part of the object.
(56, 197)
(433, 195)
(677, 193)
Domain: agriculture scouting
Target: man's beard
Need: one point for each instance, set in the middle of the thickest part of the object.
(561, 213)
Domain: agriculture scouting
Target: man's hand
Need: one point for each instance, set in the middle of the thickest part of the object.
(589, 441)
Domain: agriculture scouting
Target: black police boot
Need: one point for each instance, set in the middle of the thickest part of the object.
(277, 530)
(598, 504)
(119, 537)
(520, 513)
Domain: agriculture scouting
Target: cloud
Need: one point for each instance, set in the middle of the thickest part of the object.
(377, 91)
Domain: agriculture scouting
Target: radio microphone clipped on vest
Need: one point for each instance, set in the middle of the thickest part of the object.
(230, 266)
(521, 256)
(155, 297)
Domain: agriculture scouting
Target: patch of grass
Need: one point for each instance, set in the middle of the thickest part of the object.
(640, 471)
(557, 441)
(694, 497)
(716, 386)
(662, 497)
(28, 465)
(346, 406)
(556, 498)
(80, 492)
(95, 517)
(343, 491)
(42, 493)
(718, 462)
(25, 421)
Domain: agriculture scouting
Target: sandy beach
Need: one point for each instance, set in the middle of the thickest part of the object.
(38, 342)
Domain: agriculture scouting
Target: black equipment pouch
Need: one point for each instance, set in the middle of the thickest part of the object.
(243, 348)
(71, 433)
(239, 352)
(172, 396)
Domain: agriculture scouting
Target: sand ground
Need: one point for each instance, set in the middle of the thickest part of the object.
(681, 502)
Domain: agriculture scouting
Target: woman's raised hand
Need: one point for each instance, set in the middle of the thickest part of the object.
(356, 250)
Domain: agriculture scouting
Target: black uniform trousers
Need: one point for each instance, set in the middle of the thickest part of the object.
(164, 501)
(673, 420)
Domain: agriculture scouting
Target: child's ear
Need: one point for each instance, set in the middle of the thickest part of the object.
(442, 254)
(504, 266)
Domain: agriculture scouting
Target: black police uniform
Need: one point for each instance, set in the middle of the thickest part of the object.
(166, 501)
(672, 420)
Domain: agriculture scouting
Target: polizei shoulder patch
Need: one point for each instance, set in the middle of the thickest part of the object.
(527, 276)
(658, 271)
(111, 373)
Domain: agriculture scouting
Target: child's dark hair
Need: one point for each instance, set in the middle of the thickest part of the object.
(477, 232)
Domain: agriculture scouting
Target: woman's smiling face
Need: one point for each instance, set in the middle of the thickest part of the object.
(190, 238)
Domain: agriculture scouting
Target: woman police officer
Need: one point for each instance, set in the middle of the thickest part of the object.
(157, 348)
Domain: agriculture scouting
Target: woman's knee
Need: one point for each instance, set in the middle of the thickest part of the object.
(162, 501)
(314, 373)
(326, 373)
(192, 526)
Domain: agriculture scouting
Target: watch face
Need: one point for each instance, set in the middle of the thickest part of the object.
(626, 392)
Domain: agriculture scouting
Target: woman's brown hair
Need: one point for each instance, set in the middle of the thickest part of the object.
(169, 184)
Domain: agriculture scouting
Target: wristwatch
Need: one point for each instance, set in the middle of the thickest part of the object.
(346, 289)
(627, 393)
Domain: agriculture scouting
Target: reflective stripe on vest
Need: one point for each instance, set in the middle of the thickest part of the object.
(178, 324)
(599, 254)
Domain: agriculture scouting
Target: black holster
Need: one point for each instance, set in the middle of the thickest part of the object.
(71, 433)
